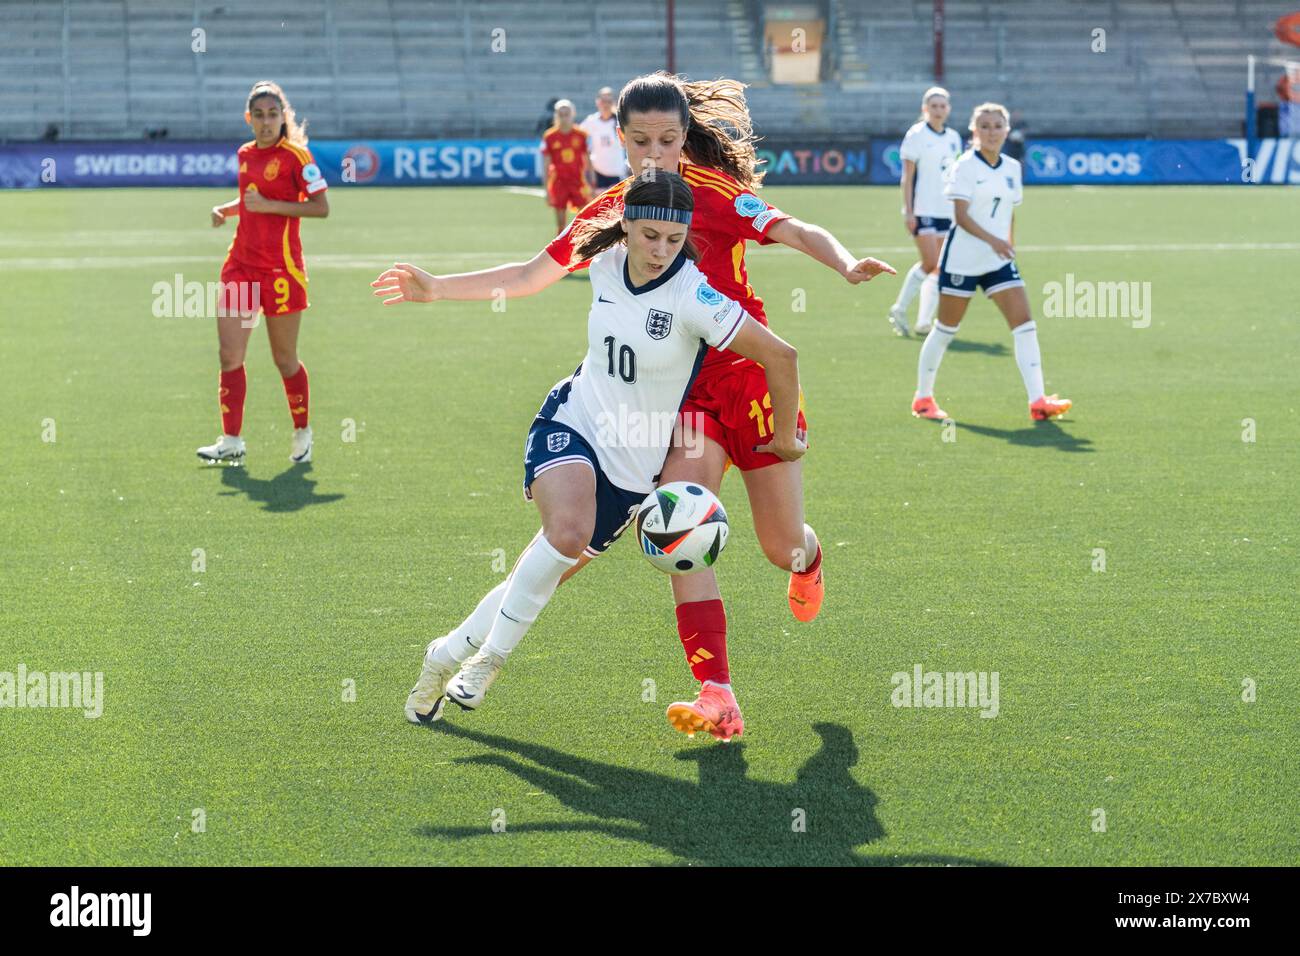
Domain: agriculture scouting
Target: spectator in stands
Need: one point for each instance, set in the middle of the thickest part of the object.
(607, 156)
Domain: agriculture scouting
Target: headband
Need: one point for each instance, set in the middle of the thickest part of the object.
(661, 213)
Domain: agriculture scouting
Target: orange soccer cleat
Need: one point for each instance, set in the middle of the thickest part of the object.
(1049, 406)
(715, 710)
(806, 592)
(928, 408)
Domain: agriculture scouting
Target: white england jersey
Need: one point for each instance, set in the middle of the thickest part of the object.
(992, 191)
(933, 154)
(644, 347)
(607, 155)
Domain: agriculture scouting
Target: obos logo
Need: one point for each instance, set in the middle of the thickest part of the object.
(365, 161)
(1104, 164)
(1047, 162)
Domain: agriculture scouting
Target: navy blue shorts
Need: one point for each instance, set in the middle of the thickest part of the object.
(1008, 277)
(931, 226)
(603, 182)
(550, 444)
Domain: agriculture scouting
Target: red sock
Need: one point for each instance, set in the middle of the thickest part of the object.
(817, 563)
(295, 389)
(702, 626)
(234, 385)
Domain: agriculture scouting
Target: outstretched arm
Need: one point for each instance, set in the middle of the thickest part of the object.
(407, 283)
(816, 242)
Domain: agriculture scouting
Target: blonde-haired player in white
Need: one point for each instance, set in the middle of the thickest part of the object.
(928, 149)
(984, 187)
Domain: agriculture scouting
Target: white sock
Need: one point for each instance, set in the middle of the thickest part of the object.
(528, 590)
(929, 306)
(1029, 359)
(911, 285)
(932, 349)
(473, 631)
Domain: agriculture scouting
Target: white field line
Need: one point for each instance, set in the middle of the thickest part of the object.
(441, 260)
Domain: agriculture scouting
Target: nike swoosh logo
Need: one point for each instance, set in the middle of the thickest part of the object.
(601, 298)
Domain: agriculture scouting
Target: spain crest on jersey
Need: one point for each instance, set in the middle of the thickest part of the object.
(658, 324)
(272, 170)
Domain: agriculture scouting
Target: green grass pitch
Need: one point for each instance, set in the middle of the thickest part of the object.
(1124, 690)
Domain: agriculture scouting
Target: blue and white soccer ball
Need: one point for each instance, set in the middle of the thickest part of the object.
(681, 527)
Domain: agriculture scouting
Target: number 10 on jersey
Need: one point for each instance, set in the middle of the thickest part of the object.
(626, 360)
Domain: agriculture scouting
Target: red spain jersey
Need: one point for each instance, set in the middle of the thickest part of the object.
(265, 241)
(727, 215)
(565, 151)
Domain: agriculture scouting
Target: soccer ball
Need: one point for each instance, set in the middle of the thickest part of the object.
(681, 527)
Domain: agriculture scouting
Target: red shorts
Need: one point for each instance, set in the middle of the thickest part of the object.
(274, 291)
(563, 193)
(732, 406)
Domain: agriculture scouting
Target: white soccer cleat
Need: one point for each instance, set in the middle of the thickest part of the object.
(898, 319)
(923, 329)
(425, 702)
(300, 450)
(226, 448)
(475, 676)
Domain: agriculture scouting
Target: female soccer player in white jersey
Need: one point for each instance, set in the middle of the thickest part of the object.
(984, 187)
(928, 149)
(653, 316)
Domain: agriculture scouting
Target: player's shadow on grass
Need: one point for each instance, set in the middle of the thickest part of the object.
(983, 348)
(291, 490)
(726, 819)
(1038, 435)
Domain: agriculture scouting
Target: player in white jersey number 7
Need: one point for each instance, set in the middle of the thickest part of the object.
(594, 451)
(979, 253)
